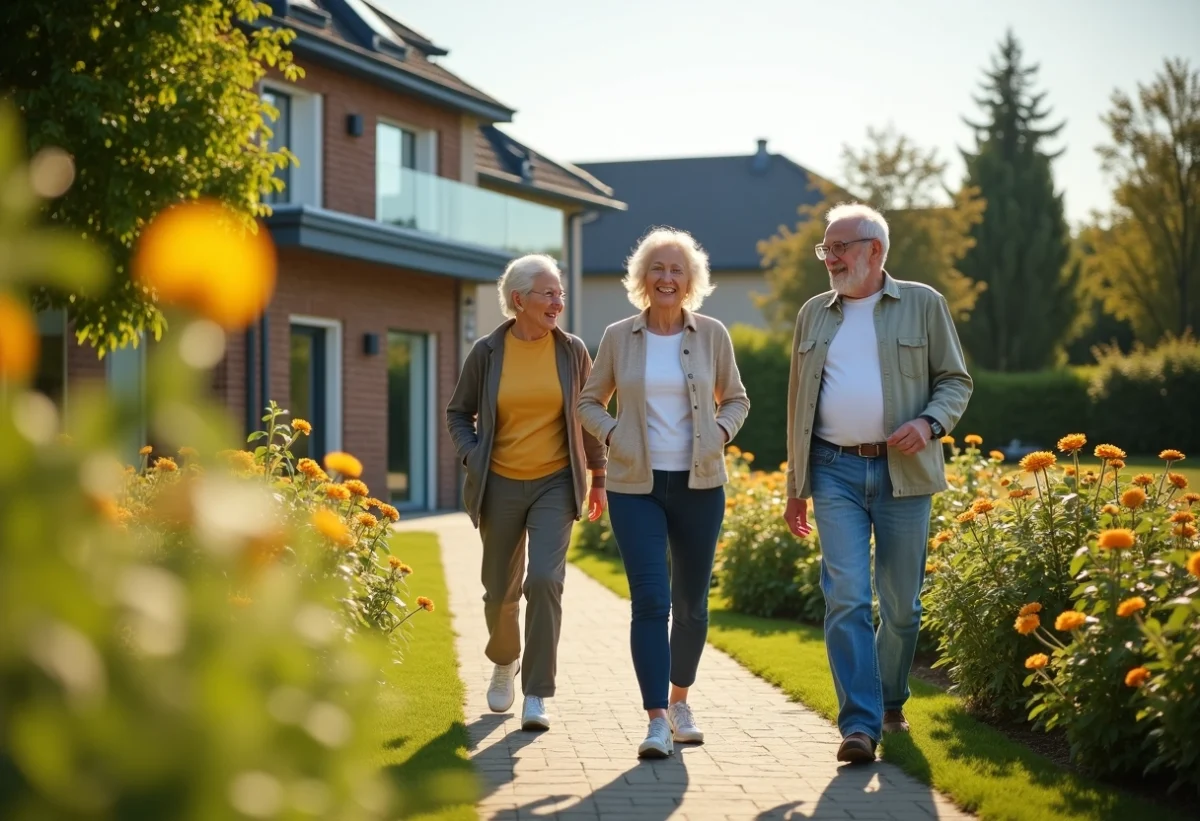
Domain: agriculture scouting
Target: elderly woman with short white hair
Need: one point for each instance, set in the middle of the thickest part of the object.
(514, 423)
(681, 401)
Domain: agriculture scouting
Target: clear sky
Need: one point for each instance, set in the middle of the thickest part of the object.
(623, 79)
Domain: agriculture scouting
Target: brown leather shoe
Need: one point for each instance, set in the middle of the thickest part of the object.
(857, 748)
(894, 722)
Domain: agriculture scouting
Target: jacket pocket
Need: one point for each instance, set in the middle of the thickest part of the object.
(914, 355)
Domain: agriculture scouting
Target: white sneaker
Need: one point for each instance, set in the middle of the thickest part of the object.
(683, 724)
(658, 740)
(503, 690)
(533, 716)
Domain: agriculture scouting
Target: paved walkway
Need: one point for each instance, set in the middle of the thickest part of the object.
(765, 757)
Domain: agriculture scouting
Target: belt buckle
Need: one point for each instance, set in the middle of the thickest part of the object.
(866, 456)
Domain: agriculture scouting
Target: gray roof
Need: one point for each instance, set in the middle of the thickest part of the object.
(727, 203)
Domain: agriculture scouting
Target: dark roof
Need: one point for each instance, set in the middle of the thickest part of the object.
(727, 203)
(362, 31)
(503, 160)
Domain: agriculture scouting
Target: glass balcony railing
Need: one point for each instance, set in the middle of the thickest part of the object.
(451, 209)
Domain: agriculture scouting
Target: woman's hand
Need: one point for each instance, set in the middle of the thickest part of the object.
(597, 502)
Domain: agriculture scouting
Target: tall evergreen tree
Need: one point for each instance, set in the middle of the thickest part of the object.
(1022, 245)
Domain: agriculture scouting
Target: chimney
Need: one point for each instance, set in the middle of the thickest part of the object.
(761, 159)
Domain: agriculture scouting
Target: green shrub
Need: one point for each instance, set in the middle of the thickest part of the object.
(764, 360)
(1032, 407)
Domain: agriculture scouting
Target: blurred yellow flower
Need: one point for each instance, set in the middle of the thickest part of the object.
(341, 462)
(996, 456)
(1116, 464)
(1133, 498)
(1109, 452)
(1070, 620)
(1183, 517)
(1130, 606)
(943, 536)
(199, 256)
(1137, 677)
(390, 512)
(1038, 460)
(1069, 470)
(331, 526)
(1027, 624)
(312, 470)
(1193, 564)
(1072, 442)
(1117, 539)
(366, 520)
(931, 568)
(146, 450)
(1171, 455)
(1037, 661)
(165, 464)
(19, 341)
(966, 516)
(1186, 531)
(947, 440)
(188, 452)
(1143, 480)
(1020, 493)
(1191, 498)
(973, 439)
(1111, 510)
(356, 487)
(302, 425)
(335, 491)
(1178, 480)
(425, 603)
(983, 506)
(394, 562)
(1032, 607)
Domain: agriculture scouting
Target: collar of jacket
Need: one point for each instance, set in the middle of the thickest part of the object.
(890, 288)
(639, 324)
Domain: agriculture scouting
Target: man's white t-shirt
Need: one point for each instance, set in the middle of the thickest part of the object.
(668, 409)
(850, 407)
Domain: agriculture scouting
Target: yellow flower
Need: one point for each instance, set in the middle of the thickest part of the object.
(146, 450)
(1032, 607)
(1037, 661)
(1117, 539)
(1171, 455)
(931, 568)
(1137, 677)
(1117, 464)
(996, 456)
(339, 492)
(366, 520)
(394, 562)
(405, 569)
(1072, 442)
(188, 453)
(947, 439)
(1109, 452)
(165, 464)
(1183, 517)
(1133, 498)
(966, 516)
(1191, 498)
(19, 340)
(1178, 480)
(202, 256)
(302, 426)
(943, 536)
(312, 470)
(1111, 510)
(425, 603)
(331, 526)
(1069, 620)
(1186, 531)
(340, 462)
(1069, 470)
(358, 488)
(1143, 480)
(1027, 624)
(983, 506)
(390, 512)
(1038, 460)
(1020, 493)
(748, 456)
(1193, 564)
(1130, 606)
(242, 460)
(973, 439)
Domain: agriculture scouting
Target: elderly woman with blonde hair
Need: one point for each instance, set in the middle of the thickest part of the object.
(680, 400)
(514, 423)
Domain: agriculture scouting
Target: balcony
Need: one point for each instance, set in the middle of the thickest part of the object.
(464, 213)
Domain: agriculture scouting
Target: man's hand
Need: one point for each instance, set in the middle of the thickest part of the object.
(796, 516)
(597, 502)
(911, 437)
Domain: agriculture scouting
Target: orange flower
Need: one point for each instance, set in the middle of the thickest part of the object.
(165, 464)
(186, 452)
(1109, 452)
(425, 603)
(312, 470)
(1130, 606)
(996, 456)
(19, 341)
(1183, 517)
(1191, 498)
(1027, 624)
(1037, 661)
(146, 450)
(1111, 510)
(1069, 620)
(1038, 460)
(340, 462)
(943, 536)
(202, 256)
(356, 487)
(1020, 493)
(331, 526)
(1072, 442)
(1137, 677)
(966, 516)
(1186, 531)
(1143, 480)
(947, 440)
(366, 520)
(394, 562)
(973, 439)
(1069, 470)
(390, 512)
(339, 492)
(1117, 539)
(302, 426)
(1178, 480)
(1193, 564)
(1171, 455)
(1117, 464)
(1032, 607)
(1133, 498)
(982, 506)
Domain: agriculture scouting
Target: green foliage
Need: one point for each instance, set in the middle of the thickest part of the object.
(155, 103)
(764, 361)
(1022, 245)
(1033, 407)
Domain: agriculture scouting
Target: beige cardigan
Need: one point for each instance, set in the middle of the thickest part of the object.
(719, 401)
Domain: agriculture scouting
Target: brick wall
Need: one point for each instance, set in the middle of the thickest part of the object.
(349, 170)
(365, 298)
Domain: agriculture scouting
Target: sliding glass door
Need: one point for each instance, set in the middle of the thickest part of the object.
(408, 415)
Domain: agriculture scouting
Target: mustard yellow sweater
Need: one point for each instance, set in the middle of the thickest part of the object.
(531, 430)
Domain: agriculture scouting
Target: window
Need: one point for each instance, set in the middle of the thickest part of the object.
(299, 129)
(51, 376)
(404, 157)
(410, 451)
(281, 138)
(315, 385)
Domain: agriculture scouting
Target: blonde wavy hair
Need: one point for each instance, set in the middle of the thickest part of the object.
(638, 265)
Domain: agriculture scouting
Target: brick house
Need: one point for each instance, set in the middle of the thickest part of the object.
(405, 207)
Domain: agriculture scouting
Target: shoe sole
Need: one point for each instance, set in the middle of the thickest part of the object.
(895, 728)
(535, 725)
(654, 752)
(856, 755)
(688, 738)
(508, 706)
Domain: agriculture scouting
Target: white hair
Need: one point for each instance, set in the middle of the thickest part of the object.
(871, 224)
(518, 278)
(638, 265)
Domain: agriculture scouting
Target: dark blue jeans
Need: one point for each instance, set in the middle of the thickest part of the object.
(688, 523)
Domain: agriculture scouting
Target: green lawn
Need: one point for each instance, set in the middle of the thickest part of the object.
(423, 743)
(976, 766)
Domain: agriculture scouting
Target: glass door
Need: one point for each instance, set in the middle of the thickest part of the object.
(309, 388)
(408, 419)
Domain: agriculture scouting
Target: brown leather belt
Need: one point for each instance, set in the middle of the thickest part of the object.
(870, 450)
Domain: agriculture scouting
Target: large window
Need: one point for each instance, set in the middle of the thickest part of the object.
(51, 376)
(408, 415)
(281, 138)
(314, 384)
(299, 129)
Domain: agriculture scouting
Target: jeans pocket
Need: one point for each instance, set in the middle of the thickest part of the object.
(822, 456)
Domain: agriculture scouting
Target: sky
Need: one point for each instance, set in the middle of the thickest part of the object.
(621, 79)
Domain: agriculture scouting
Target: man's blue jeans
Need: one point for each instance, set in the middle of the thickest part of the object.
(851, 495)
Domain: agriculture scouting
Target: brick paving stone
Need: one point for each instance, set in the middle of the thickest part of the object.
(765, 758)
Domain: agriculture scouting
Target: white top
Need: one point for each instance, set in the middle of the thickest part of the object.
(850, 408)
(668, 409)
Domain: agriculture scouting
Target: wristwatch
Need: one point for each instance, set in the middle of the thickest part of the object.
(934, 426)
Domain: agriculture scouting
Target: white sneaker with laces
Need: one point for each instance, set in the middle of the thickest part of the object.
(683, 724)
(658, 740)
(533, 715)
(503, 690)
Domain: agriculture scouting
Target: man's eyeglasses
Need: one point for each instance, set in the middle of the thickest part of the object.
(838, 249)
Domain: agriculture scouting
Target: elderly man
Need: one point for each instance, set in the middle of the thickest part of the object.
(877, 379)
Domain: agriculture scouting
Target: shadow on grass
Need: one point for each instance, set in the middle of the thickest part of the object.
(436, 776)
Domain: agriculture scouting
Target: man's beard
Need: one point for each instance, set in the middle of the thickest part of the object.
(853, 279)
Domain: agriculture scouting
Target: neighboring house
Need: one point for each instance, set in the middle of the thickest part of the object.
(728, 203)
(405, 207)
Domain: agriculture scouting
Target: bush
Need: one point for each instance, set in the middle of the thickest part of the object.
(764, 360)
(1033, 407)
